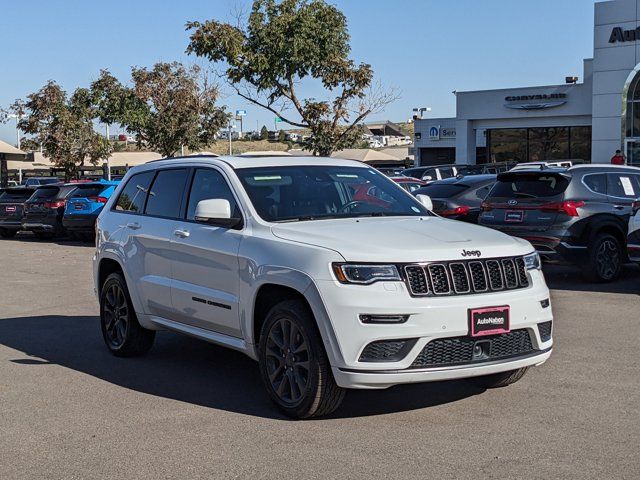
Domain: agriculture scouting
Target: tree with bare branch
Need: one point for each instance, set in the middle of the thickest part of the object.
(284, 43)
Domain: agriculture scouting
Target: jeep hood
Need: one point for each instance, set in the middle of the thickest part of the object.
(402, 239)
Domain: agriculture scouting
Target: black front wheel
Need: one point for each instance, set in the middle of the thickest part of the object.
(122, 333)
(605, 258)
(293, 363)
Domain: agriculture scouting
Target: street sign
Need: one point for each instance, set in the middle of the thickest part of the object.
(278, 119)
(241, 113)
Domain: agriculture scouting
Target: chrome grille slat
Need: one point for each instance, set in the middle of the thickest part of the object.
(462, 277)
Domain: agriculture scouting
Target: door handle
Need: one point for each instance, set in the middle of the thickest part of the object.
(619, 207)
(181, 233)
(133, 225)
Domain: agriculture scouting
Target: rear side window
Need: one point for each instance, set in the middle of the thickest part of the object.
(165, 196)
(596, 182)
(622, 185)
(482, 192)
(134, 194)
(528, 185)
(207, 184)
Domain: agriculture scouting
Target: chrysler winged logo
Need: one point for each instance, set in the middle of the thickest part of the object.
(471, 253)
(512, 202)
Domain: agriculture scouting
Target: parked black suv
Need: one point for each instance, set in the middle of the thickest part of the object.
(458, 198)
(576, 215)
(11, 209)
(44, 210)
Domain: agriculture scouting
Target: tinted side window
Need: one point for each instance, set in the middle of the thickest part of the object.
(596, 182)
(622, 185)
(165, 196)
(207, 184)
(134, 194)
(482, 193)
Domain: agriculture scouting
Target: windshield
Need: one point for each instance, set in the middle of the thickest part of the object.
(316, 192)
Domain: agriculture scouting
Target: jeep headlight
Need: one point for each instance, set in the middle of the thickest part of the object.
(365, 274)
(532, 261)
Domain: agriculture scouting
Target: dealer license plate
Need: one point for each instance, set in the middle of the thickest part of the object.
(488, 320)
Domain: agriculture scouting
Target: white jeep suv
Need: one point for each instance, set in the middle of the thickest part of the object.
(326, 272)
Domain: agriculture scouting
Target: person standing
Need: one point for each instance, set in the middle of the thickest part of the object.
(618, 158)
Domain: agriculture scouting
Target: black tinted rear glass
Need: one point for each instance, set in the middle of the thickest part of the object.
(46, 192)
(88, 191)
(529, 185)
(19, 195)
(443, 190)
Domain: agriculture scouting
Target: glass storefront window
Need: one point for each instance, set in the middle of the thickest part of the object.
(508, 144)
(539, 144)
(548, 144)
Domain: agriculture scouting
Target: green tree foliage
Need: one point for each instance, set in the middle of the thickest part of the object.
(282, 137)
(166, 107)
(283, 43)
(64, 127)
(264, 133)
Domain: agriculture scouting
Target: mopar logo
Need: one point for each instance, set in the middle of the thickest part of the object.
(512, 202)
(434, 133)
(471, 253)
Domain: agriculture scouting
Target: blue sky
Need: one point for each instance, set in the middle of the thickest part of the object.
(424, 48)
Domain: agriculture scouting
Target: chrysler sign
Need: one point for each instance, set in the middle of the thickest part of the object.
(536, 101)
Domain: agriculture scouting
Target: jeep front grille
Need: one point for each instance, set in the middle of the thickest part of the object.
(466, 276)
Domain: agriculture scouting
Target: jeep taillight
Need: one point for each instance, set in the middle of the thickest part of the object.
(569, 207)
(97, 199)
(55, 204)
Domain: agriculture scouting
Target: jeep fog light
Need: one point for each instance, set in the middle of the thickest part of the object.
(367, 318)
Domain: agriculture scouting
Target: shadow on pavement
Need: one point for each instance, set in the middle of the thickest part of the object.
(189, 370)
(570, 278)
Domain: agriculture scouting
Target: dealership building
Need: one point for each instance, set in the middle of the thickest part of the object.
(584, 119)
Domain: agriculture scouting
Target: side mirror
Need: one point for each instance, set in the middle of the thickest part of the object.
(427, 178)
(216, 211)
(425, 200)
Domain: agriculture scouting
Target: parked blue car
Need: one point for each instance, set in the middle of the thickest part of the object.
(84, 206)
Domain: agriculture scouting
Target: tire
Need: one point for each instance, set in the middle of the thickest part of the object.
(296, 372)
(123, 336)
(4, 233)
(499, 380)
(605, 258)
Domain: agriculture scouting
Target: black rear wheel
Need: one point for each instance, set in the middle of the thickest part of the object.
(605, 258)
(293, 363)
(5, 233)
(122, 333)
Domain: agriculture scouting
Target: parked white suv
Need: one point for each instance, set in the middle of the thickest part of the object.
(327, 282)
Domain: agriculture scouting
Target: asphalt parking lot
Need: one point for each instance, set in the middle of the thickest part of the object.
(68, 409)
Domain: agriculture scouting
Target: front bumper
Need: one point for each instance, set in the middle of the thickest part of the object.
(362, 379)
(429, 319)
